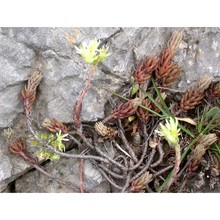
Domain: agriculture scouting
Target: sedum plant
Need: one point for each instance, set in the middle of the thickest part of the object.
(92, 55)
(130, 127)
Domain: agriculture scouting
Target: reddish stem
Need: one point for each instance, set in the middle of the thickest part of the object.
(78, 105)
(176, 167)
(177, 163)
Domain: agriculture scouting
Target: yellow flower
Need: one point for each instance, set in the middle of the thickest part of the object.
(170, 131)
(61, 137)
(90, 52)
(103, 54)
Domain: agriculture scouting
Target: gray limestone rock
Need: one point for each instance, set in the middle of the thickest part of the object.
(22, 50)
(10, 105)
(5, 171)
(15, 62)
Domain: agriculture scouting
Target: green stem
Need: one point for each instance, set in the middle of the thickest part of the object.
(144, 107)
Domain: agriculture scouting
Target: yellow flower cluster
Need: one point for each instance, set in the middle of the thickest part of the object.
(91, 52)
(170, 131)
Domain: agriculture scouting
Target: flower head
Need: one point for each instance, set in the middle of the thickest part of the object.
(61, 137)
(59, 141)
(90, 52)
(103, 54)
(170, 131)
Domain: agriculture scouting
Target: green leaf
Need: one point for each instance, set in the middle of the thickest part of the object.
(216, 149)
(47, 155)
(161, 99)
(54, 144)
(201, 116)
(54, 157)
(35, 143)
(153, 112)
(44, 136)
(40, 154)
(61, 147)
(51, 136)
(134, 89)
(213, 112)
(149, 95)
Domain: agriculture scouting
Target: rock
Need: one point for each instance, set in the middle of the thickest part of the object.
(5, 171)
(15, 61)
(68, 170)
(59, 102)
(64, 71)
(23, 50)
(60, 40)
(10, 105)
(120, 63)
(196, 61)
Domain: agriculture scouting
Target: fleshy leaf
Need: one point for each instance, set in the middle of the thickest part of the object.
(132, 79)
(54, 157)
(134, 89)
(214, 112)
